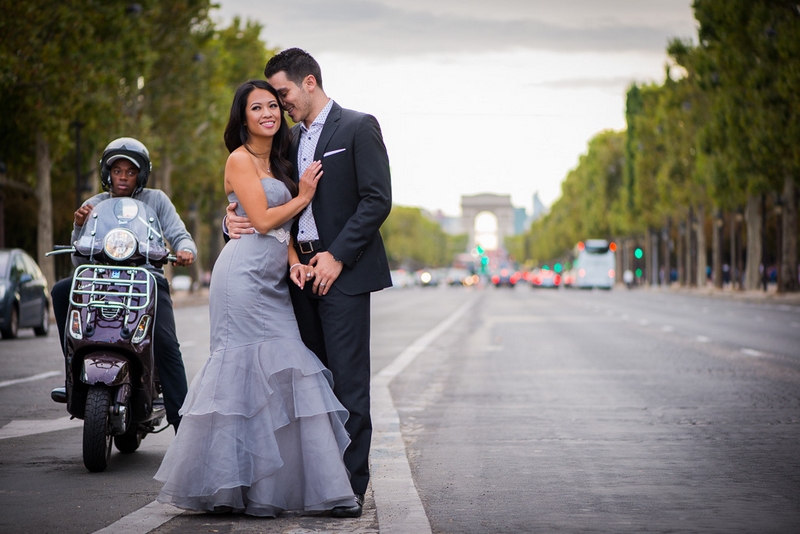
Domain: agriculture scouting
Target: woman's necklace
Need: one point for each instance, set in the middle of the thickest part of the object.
(264, 164)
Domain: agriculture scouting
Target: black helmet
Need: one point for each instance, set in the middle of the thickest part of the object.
(132, 150)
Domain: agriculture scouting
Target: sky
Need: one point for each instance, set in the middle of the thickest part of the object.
(479, 96)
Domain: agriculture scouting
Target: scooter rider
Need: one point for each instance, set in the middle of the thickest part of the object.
(124, 169)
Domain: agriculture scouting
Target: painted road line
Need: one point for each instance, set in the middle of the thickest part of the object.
(142, 520)
(18, 429)
(398, 504)
(752, 352)
(40, 376)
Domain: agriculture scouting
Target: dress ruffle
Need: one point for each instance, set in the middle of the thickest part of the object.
(261, 433)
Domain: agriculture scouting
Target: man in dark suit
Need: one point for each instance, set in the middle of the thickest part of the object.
(338, 235)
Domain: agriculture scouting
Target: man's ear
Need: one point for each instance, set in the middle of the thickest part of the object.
(310, 83)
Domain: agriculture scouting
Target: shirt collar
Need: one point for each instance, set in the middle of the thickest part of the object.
(321, 117)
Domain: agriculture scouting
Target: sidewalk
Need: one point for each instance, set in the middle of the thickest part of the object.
(770, 296)
(186, 299)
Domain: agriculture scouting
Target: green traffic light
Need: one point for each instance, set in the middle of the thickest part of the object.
(638, 273)
(557, 267)
(638, 253)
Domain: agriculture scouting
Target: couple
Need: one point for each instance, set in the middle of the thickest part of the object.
(268, 425)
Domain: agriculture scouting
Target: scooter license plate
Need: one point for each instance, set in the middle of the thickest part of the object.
(116, 273)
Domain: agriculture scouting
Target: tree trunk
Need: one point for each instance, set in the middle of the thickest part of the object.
(690, 279)
(752, 215)
(788, 274)
(679, 254)
(702, 256)
(666, 277)
(716, 249)
(653, 262)
(44, 234)
(165, 184)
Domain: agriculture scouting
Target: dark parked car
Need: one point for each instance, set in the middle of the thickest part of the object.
(24, 299)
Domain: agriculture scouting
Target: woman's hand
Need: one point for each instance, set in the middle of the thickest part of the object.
(300, 274)
(309, 180)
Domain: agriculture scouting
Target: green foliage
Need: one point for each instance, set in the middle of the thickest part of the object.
(723, 125)
(589, 195)
(414, 241)
(156, 70)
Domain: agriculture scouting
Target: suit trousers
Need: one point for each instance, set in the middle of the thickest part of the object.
(336, 327)
(167, 351)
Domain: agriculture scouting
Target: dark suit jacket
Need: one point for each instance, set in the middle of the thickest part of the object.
(353, 198)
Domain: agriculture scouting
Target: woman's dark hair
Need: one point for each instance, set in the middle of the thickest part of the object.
(236, 133)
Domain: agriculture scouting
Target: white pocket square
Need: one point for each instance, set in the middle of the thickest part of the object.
(332, 152)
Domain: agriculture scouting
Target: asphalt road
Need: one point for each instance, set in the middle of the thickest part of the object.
(535, 411)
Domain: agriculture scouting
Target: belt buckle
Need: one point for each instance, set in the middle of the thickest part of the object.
(303, 244)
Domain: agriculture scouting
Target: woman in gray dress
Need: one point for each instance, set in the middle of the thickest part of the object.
(262, 431)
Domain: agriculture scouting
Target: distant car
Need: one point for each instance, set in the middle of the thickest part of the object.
(402, 278)
(428, 277)
(24, 299)
(460, 277)
(545, 278)
(181, 282)
(506, 277)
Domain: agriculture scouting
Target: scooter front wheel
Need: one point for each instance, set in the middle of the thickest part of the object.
(96, 429)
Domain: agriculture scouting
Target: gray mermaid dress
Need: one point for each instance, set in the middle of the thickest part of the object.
(262, 431)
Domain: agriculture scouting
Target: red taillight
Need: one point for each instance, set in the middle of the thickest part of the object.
(611, 273)
(495, 279)
(557, 280)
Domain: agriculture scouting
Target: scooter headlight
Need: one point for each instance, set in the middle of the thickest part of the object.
(119, 244)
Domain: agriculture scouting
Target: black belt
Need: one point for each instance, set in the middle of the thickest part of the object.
(309, 247)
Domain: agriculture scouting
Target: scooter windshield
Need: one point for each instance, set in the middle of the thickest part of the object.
(112, 224)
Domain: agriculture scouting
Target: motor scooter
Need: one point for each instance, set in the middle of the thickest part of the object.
(111, 378)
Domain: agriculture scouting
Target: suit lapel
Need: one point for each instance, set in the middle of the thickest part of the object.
(294, 148)
(331, 123)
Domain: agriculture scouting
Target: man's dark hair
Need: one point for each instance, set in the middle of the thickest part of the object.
(296, 63)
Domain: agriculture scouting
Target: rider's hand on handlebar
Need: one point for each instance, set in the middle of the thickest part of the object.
(185, 257)
(81, 214)
(237, 226)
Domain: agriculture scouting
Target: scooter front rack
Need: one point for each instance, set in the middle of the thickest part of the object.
(112, 289)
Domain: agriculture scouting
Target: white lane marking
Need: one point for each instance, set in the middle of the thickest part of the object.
(144, 519)
(396, 499)
(703, 339)
(40, 376)
(751, 352)
(19, 428)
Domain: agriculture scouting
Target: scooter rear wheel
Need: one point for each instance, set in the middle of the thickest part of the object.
(128, 442)
(96, 430)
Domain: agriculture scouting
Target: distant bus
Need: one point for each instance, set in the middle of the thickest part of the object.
(595, 264)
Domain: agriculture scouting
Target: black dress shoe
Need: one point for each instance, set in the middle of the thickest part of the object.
(350, 511)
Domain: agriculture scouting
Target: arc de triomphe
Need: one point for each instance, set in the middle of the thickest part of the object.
(499, 205)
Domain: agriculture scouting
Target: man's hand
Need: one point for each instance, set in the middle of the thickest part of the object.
(237, 226)
(185, 258)
(326, 271)
(81, 214)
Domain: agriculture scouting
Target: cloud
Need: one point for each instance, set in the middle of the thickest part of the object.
(387, 28)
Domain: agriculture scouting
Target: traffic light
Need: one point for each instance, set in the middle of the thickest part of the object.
(638, 253)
